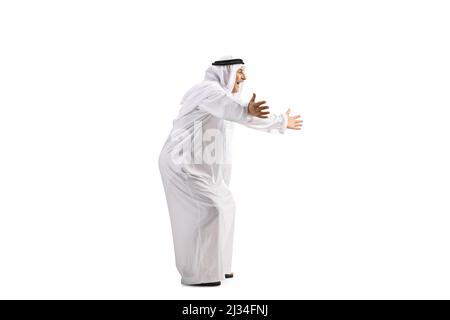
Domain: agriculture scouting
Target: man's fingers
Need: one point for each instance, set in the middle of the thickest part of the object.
(297, 125)
(253, 97)
(264, 113)
(296, 117)
(264, 117)
(259, 103)
(263, 108)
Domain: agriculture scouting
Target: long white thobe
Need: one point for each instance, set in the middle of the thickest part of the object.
(195, 172)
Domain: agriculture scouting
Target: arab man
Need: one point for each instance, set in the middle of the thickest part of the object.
(195, 169)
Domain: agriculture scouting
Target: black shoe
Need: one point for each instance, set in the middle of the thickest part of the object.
(207, 284)
(229, 275)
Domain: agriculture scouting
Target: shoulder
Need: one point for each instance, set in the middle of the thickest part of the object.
(213, 87)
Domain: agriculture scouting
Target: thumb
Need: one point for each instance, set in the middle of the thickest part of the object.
(253, 97)
(288, 111)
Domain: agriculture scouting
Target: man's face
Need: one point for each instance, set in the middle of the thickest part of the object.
(240, 76)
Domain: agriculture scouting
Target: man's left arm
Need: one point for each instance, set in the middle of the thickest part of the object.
(274, 122)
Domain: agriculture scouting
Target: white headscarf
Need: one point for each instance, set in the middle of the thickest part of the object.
(220, 78)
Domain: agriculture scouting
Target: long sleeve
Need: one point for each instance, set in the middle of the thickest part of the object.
(225, 107)
(270, 124)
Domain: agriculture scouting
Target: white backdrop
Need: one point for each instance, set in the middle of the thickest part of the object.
(356, 205)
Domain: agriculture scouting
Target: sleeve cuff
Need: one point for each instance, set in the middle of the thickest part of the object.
(247, 117)
(283, 122)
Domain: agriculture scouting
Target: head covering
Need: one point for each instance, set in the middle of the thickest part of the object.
(227, 62)
(220, 76)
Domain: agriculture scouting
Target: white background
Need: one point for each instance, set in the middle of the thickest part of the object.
(356, 205)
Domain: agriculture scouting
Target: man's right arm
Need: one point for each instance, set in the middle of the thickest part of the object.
(224, 106)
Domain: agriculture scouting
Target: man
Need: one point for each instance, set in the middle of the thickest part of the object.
(195, 169)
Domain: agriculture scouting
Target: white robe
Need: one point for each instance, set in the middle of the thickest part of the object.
(201, 206)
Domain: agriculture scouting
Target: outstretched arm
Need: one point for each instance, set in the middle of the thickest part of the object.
(270, 124)
(274, 122)
(224, 106)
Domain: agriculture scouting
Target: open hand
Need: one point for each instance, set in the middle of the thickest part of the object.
(294, 122)
(257, 109)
